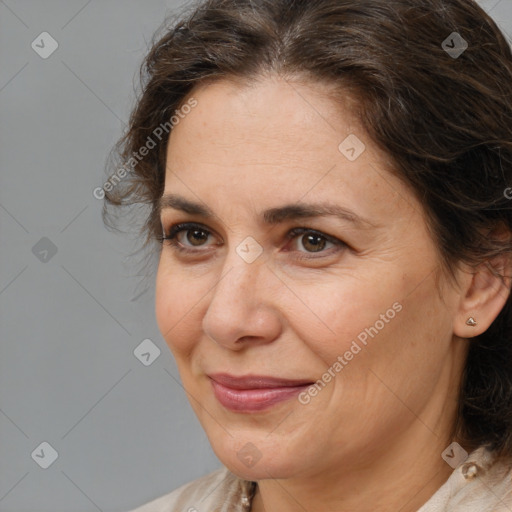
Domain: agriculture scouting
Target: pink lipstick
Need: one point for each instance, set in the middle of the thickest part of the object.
(253, 393)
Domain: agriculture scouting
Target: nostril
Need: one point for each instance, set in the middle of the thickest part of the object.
(247, 338)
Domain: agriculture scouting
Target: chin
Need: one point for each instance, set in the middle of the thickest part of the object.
(256, 456)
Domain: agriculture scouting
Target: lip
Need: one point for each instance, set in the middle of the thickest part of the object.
(253, 393)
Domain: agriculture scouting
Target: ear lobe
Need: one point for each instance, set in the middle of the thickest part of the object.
(487, 290)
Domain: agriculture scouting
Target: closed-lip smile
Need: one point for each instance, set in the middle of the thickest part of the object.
(253, 393)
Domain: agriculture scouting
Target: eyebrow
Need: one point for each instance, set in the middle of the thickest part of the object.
(271, 216)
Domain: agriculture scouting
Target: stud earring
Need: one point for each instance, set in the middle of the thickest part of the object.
(471, 321)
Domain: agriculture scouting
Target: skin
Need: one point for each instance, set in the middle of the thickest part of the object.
(372, 438)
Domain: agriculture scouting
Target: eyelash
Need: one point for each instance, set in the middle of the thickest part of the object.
(174, 230)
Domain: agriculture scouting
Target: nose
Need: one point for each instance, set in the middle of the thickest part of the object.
(241, 310)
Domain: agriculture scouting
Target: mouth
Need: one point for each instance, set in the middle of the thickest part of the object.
(253, 393)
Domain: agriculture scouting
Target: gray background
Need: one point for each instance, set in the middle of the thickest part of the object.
(70, 321)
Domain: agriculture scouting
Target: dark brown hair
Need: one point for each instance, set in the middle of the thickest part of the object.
(444, 119)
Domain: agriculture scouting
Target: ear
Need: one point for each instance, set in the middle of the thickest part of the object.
(484, 292)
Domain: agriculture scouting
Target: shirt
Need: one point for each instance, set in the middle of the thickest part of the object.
(479, 484)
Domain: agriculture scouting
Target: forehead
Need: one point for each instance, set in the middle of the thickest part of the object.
(277, 139)
(273, 109)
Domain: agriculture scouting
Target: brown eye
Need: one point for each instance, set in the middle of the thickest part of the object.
(309, 243)
(186, 237)
(196, 237)
(313, 242)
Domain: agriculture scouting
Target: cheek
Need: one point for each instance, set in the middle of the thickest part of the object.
(176, 305)
(340, 313)
(408, 353)
(381, 324)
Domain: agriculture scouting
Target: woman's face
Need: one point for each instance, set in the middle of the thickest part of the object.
(263, 288)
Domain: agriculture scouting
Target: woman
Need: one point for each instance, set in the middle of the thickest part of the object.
(328, 181)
